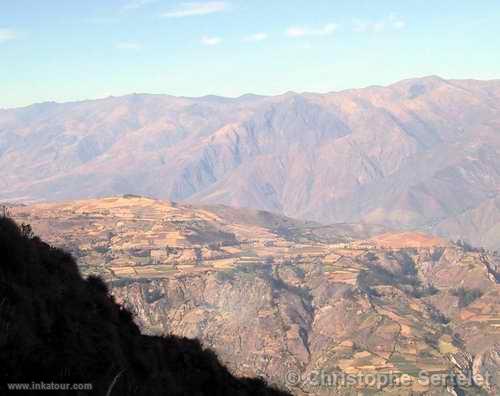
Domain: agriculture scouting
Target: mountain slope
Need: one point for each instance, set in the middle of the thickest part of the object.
(57, 328)
(413, 154)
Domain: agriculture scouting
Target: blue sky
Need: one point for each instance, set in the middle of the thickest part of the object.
(71, 50)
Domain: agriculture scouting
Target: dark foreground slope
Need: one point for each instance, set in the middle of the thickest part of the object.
(56, 327)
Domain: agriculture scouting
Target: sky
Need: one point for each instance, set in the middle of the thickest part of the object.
(69, 50)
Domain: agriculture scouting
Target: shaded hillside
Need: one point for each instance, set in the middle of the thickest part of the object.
(57, 327)
(419, 153)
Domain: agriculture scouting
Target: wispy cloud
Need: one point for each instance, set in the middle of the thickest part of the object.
(256, 37)
(136, 4)
(302, 31)
(210, 40)
(396, 22)
(392, 22)
(7, 35)
(128, 45)
(195, 9)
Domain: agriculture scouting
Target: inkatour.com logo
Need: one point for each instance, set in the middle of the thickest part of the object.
(48, 386)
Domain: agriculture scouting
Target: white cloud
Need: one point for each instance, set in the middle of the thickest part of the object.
(301, 31)
(195, 8)
(256, 37)
(392, 22)
(210, 41)
(135, 4)
(7, 35)
(128, 45)
(396, 22)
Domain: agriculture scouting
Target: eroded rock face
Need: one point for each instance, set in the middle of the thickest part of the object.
(274, 296)
(487, 366)
(248, 316)
(261, 323)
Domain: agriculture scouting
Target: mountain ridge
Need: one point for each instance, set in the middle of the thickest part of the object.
(416, 153)
(255, 95)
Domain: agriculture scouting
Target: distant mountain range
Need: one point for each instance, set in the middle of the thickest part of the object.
(421, 153)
